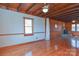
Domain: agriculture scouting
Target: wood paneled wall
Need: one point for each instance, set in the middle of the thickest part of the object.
(55, 32)
(68, 26)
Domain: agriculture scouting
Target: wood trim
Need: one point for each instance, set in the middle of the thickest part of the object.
(11, 34)
(28, 34)
(33, 33)
(38, 32)
(28, 18)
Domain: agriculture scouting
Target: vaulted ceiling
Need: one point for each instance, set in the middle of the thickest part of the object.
(59, 11)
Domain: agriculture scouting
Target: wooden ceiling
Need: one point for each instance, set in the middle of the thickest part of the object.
(59, 11)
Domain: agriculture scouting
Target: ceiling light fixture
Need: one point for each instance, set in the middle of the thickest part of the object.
(73, 21)
(45, 8)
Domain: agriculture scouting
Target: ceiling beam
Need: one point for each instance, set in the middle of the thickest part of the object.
(19, 6)
(39, 10)
(39, 13)
(7, 5)
(4, 5)
(63, 10)
(68, 17)
(66, 12)
(30, 7)
(70, 13)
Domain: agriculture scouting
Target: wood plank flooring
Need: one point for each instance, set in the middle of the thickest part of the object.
(40, 48)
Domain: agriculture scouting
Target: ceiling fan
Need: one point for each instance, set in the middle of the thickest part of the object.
(45, 8)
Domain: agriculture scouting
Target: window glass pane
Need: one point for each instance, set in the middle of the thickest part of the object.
(77, 27)
(28, 22)
(73, 27)
(28, 30)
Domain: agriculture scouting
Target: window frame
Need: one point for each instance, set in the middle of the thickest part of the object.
(25, 26)
(75, 27)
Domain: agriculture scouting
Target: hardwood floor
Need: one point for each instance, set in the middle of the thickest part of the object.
(40, 48)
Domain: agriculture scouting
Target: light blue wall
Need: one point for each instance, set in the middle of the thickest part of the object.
(13, 22)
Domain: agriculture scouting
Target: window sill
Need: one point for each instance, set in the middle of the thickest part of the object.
(28, 34)
(75, 31)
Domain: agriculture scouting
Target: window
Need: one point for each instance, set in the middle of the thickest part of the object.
(28, 26)
(75, 27)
